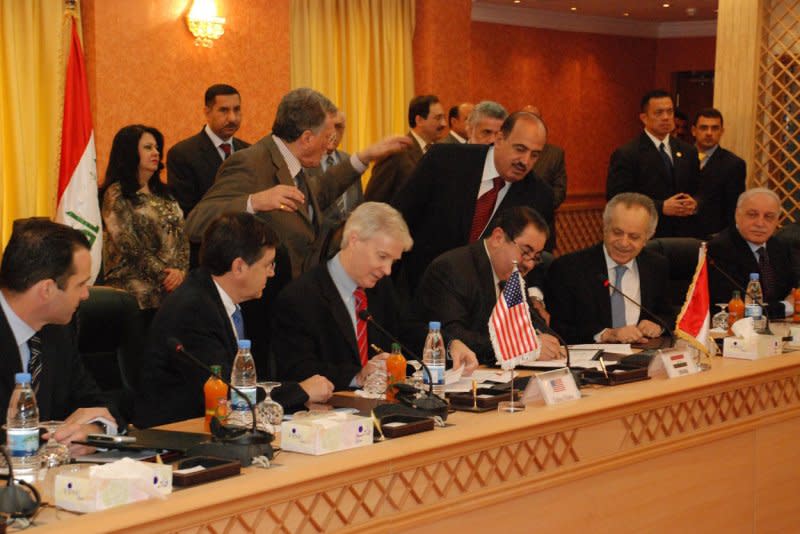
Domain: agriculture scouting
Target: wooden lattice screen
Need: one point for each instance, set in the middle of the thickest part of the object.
(777, 145)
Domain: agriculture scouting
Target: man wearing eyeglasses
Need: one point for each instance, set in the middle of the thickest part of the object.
(750, 247)
(460, 288)
(580, 294)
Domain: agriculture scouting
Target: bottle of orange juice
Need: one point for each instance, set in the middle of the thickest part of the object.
(796, 295)
(395, 370)
(214, 389)
(735, 309)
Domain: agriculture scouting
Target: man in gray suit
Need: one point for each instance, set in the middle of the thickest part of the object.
(484, 122)
(270, 178)
(350, 199)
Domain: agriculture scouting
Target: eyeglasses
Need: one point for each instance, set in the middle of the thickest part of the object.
(528, 253)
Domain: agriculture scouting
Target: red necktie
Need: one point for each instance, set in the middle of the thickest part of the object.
(361, 325)
(483, 209)
(226, 147)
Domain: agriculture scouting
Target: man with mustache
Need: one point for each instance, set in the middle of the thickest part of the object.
(193, 163)
(484, 122)
(749, 246)
(582, 309)
(456, 191)
(427, 122)
(660, 166)
(461, 287)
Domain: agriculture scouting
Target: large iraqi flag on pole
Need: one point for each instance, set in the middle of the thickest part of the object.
(78, 204)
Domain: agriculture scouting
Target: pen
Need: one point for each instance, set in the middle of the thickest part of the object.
(376, 348)
(603, 367)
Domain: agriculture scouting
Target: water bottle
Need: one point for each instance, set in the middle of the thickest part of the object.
(753, 300)
(433, 356)
(243, 376)
(22, 429)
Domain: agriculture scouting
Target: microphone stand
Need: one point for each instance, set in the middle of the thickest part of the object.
(428, 400)
(242, 446)
(659, 320)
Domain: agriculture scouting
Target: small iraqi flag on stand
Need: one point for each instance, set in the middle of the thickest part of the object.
(693, 323)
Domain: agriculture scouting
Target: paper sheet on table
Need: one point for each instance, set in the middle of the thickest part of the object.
(481, 376)
(616, 348)
(580, 358)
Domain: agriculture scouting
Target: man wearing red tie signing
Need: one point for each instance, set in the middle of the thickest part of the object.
(321, 325)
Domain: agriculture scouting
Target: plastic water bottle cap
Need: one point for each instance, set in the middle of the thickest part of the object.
(753, 276)
(435, 325)
(244, 344)
(22, 378)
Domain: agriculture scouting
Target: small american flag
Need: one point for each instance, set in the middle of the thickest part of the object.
(510, 327)
(558, 385)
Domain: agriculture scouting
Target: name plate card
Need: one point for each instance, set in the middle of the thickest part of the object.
(673, 363)
(554, 387)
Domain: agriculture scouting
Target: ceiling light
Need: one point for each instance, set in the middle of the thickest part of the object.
(665, 4)
(573, 8)
(626, 14)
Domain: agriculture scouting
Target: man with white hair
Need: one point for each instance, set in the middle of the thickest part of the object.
(321, 329)
(584, 308)
(484, 122)
(750, 247)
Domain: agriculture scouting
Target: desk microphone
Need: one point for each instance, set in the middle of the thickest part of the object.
(242, 445)
(427, 401)
(607, 283)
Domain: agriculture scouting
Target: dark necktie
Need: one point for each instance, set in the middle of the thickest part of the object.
(617, 300)
(768, 277)
(667, 160)
(226, 147)
(35, 361)
(483, 209)
(361, 325)
(302, 185)
(329, 162)
(238, 323)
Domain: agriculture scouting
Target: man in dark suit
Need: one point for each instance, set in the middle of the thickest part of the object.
(722, 174)
(454, 193)
(236, 260)
(461, 287)
(659, 166)
(457, 121)
(390, 175)
(353, 196)
(192, 163)
(320, 329)
(44, 276)
(749, 246)
(268, 179)
(583, 309)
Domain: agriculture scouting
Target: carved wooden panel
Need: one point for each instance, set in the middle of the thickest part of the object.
(578, 227)
(527, 460)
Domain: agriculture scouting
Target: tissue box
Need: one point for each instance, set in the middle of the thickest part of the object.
(765, 346)
(81, 490)
(324, 433)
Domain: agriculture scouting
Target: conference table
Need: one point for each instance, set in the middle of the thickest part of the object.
(712, 452)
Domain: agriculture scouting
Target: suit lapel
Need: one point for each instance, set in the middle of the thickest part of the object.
(208, 283)
(340, 314)
(10, 362)
(285, 178)
(211, 156)
(483, 267)
(473, 173)
(653, 155)
(600, 293)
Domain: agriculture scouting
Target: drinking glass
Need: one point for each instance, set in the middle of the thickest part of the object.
(269, 413)
(720, 320)
(53, 453)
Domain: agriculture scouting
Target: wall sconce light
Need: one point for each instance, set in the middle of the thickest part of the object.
(204, 23)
